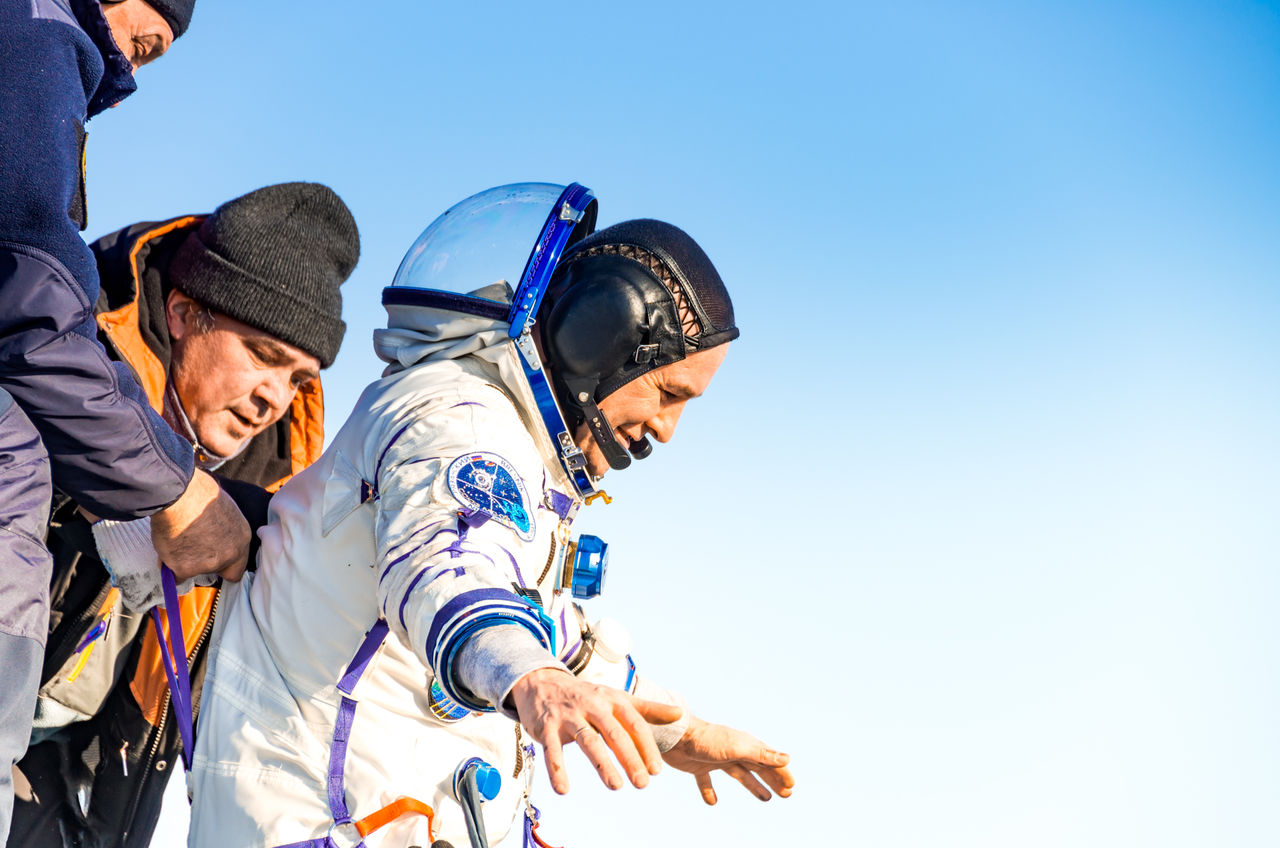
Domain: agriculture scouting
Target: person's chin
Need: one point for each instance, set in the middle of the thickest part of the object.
(224, 443)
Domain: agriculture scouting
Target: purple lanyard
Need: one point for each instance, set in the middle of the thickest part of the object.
(170, 650)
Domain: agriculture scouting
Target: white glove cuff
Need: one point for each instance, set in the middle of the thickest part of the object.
(127, 543)
(125, 549)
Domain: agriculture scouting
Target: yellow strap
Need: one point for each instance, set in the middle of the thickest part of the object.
(108, 606)
(84, 658)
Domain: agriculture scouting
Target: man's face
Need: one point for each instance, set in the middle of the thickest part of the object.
(651, 405)
(234, 381)
(138, 30)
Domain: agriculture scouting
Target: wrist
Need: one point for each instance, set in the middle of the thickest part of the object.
(529, 682)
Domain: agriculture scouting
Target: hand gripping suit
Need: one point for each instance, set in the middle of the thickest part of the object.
(442, 509)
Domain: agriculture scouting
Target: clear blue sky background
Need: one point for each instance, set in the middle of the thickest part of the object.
(979, 521)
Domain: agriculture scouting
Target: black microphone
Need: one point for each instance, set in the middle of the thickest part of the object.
(641, 448)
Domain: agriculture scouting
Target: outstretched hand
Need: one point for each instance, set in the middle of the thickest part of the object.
(557, 708)
(706, 747)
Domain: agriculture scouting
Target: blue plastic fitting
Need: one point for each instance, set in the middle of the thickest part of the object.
(590, 561)
(488, 779)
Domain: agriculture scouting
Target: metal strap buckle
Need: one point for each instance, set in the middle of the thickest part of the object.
(350, 835)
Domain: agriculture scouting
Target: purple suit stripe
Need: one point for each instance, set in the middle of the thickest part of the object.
(404, 600)
(568, 655)
(515, 565)
(411, 552)
(377, 471)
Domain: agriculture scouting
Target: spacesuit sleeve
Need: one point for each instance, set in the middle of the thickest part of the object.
(448, 568)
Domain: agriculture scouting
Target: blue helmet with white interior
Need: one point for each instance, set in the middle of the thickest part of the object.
(492, 255)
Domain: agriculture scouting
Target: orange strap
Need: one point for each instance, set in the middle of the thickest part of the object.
(533, 831)
(393, 811)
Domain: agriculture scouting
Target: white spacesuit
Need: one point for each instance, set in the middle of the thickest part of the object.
(440, 500)
(423, 569)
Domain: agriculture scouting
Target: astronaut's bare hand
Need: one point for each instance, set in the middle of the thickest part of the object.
(706, 747)
(557, 708)
(202, 532)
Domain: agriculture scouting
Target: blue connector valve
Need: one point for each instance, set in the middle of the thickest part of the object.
(590, 561)
(488, 780)
(474, 782)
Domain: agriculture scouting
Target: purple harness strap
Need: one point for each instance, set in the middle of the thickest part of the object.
(341, 736)
(176, 672)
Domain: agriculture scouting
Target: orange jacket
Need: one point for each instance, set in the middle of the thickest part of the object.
(120, 325)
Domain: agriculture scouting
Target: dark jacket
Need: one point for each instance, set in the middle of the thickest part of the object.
(107, 447)
(124, 753)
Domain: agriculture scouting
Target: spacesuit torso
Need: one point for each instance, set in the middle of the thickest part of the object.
(438, 503)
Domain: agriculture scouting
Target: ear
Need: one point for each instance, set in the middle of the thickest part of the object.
(178, 313)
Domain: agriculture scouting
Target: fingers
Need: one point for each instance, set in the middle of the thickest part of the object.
(593, 744)
(779, 780)
(555, 765)
(749, 781)
(608, 725)
(655, 712)
(707, 790)
(627, 745)
(766, 757)
(641, 737)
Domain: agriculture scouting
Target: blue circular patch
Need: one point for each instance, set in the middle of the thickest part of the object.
(485, 482)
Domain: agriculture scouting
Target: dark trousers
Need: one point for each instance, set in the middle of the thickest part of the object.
(25, 570)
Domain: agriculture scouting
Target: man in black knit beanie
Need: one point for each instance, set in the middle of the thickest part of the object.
(227, 320)
(271, 260)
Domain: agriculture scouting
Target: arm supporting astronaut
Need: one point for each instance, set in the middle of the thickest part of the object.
(127, 552)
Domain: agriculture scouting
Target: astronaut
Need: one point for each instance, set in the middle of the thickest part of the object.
(410, 632)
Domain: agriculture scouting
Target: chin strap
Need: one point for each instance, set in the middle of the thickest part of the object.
(583, 397)
(602, 432)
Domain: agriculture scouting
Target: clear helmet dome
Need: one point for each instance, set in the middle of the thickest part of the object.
(481, 246)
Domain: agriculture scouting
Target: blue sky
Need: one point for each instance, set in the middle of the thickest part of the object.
(979, 520)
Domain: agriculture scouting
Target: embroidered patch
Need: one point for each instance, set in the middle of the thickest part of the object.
(487, 483)
(442, 706)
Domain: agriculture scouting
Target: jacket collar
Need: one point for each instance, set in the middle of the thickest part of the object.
(117, 78)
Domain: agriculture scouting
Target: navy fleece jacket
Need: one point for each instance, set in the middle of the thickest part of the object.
(108, 448)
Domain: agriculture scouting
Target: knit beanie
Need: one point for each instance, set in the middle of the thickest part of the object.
(176, 13)
(274, 259)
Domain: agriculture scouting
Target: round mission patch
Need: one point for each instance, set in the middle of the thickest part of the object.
(487, 483)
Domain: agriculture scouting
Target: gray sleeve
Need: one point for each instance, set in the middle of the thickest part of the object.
(491, 661)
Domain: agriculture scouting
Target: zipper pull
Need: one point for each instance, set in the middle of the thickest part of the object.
(124, 758)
